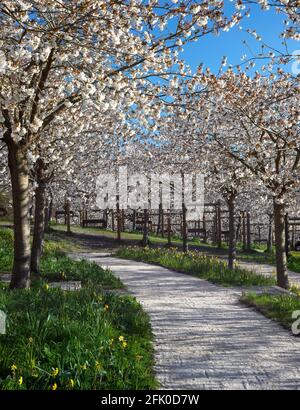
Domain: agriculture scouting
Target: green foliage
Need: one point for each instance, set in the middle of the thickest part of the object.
(198, 264)
(294, 262)
(84, 339)
(276, 307)
(6, 249)
(56, 267)
(90, 339)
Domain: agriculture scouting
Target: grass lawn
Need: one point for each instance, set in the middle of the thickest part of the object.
(135, 236)
(88, 339)
(293, 260)
(197, 264)
(276, 307)
(256, 255)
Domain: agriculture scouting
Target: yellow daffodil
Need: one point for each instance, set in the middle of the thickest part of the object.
(84, 367)
(124, 344)
(71, 383)
(46, 286)
(55, 372)
(13, 368)
(97, 365)
(121, 338)
(54, 386)
(20, 381)
(106, 307)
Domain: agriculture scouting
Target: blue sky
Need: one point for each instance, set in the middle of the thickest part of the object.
(210, 49)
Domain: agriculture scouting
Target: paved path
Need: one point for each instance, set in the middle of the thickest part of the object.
(204, 339)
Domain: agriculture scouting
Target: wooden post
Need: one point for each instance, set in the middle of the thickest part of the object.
(162, 223)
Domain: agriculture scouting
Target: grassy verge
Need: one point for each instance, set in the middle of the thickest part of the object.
(257, 255)
(85, 339)
(195, 263)
(134, 236)
(276, 307)
(294, 262)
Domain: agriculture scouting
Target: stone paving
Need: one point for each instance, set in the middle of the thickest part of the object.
(204, 338)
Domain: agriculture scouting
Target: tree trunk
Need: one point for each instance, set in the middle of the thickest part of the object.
(184, 229)
(145, 228)
(118, 220)
(238, 228)
(133, 220)
(39, 220)
(204, 229)
(169, 230)
(232, 233)
(248, 231)
(112, 220)
(158, 229)
(18, 167)
(48, 213)
(244, 231)
(68, 217)
(287, 235)
(219, 226)
(281, 260)
(270, 234)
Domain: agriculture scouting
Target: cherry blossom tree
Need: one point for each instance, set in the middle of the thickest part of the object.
(55, 55)
(256, 122)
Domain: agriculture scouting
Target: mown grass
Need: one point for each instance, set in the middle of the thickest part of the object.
(257, 254)
(276, 307)
(294, 262)
(56, 265)
(198, 264)
(86, 339)
(134, 236)
(6, 250)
